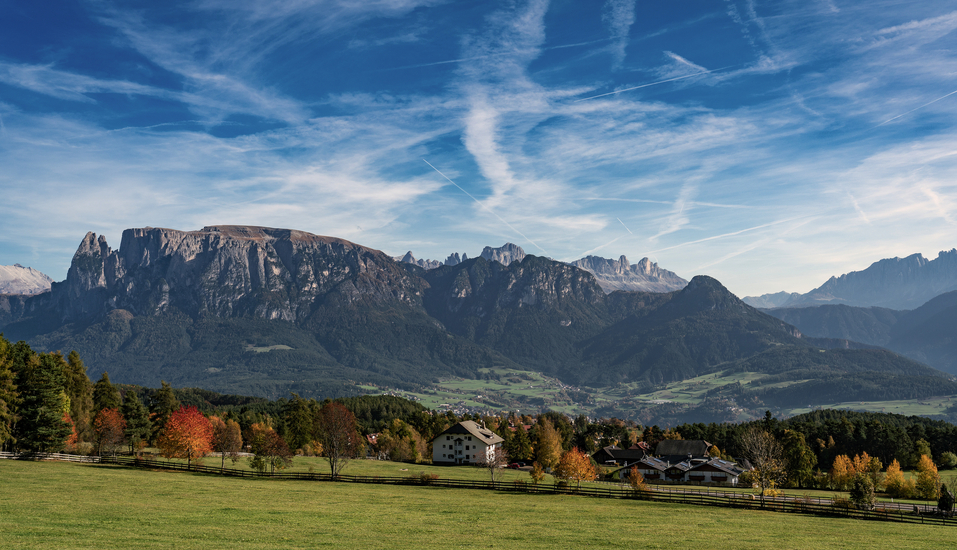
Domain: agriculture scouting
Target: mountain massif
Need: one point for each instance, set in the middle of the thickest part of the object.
(264, 311)
(16, 279)
(611, 275)
(895, 283)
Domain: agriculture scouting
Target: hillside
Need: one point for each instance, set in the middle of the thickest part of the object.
(927, 334)
(263, 311)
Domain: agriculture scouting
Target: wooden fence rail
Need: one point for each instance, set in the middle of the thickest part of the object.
(922, 515)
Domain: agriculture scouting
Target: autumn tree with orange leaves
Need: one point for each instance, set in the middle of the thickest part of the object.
(187, 434)
(108, 430)
(575, 465)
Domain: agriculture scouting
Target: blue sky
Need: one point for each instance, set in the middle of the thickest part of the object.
(768, 144)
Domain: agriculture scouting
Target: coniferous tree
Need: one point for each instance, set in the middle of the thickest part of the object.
(8, 393)
(105, 395)
(137, 420)
(80, 391)
(40, 426)
(162, 406)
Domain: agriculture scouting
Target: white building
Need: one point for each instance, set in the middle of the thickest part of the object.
(465, 443)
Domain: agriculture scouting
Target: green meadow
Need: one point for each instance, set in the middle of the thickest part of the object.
(61, 505)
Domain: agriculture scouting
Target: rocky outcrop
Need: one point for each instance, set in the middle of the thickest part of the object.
(454, 258)
(895, 283)
(505, 254)
(226, 271)
(645, 276)
(16, 279)
(424, 264)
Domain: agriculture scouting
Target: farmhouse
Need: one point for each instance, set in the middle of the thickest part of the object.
(465, 443)
(700, 470)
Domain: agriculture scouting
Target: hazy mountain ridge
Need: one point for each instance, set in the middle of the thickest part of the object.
(267, 311)
(612, 275)
(894, 283)
(927, 334)
(16, 279)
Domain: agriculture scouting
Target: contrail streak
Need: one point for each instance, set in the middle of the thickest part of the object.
(623, 225)
(729, 234)
(485, 207)
(502, 54)
(654, 83)
(916, 109)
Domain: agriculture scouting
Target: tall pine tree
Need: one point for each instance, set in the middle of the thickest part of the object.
(41, 426)
(105, 395)
(8, 393)
(137, 420)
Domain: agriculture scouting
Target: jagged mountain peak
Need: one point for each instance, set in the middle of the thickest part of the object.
(644, 276)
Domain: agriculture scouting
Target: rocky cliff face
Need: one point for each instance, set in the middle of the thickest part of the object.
(225, 271)
(16, 279)
(645, 276)
(505, 254)
(895, 283)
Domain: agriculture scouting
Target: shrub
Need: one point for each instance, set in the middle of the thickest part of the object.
(862, 492)
(948, 460)
(426, 478)
(843, 504)
(946, 501)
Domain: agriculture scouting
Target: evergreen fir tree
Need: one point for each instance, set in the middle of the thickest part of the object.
(137, 419)
(105, 395)
(162, 406)
(41, 426)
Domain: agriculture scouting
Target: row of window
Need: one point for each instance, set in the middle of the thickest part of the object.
(466, 447)
(449, 438)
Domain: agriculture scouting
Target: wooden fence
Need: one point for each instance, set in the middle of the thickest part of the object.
(884, 511)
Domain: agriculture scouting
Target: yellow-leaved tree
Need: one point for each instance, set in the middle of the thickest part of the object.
(842, 473)
(928, 480)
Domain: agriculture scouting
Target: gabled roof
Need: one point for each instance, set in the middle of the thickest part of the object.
(683, 447)
(468, 427)
(614, 453)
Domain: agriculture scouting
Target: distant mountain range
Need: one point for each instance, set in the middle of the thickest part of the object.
(927, 334)
(895, 283)
(261, 311)
(16, 279)
(612, 275)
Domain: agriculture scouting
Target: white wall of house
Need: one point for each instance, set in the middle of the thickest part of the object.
(460, 449)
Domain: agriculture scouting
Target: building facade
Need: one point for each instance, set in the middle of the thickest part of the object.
(465, 443)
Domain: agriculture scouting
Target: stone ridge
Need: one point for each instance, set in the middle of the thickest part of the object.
(227, 271)
(645, 276)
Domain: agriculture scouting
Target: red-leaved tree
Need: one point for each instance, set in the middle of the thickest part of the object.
(109, 430)
(187, 434)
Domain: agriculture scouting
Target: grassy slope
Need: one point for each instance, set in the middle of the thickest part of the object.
(53, 505)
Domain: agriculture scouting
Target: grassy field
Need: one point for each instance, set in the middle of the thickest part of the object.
(58, 505)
